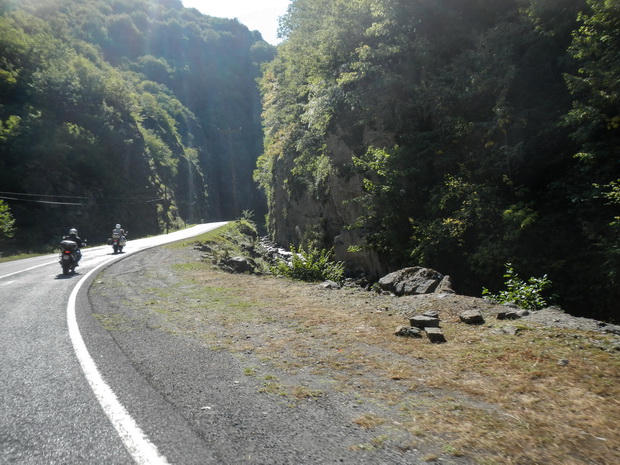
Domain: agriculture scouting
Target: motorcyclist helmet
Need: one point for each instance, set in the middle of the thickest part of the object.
(73, 231)
(118, 226)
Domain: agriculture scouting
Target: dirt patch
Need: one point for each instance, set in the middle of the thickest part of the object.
(328, 362)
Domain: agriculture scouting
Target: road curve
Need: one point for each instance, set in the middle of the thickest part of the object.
(55, 407)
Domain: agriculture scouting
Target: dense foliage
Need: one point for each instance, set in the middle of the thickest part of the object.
(133, 111)
(454, 134)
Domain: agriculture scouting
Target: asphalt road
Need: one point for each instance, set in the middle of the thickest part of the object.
(67, 394)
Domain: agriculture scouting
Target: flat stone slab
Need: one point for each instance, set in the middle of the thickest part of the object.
(423, 321)
(435, 335)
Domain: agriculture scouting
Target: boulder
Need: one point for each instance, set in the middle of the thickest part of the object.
(411, 281)
(471, 317)
(239, 264)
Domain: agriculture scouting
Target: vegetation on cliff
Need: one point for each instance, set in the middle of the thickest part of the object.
(133, 111)
(455, 134)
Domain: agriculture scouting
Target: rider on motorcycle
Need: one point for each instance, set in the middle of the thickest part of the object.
(73, 236)
(118, 230)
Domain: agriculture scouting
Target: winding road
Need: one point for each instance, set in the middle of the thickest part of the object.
(56, 400)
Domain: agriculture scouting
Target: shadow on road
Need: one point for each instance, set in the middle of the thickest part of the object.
(67, 276)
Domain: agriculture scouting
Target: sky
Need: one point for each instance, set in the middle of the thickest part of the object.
(261, 15)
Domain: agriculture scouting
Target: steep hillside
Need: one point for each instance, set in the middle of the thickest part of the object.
(456, 135)
(135, 111)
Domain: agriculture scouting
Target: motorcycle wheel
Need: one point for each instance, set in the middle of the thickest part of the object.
(115, 248)
(120, 249)
(65, 269)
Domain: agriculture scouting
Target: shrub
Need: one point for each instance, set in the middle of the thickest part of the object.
(310, 265)
(524, 294)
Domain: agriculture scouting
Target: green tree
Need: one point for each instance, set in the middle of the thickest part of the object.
(595, 121)
(7, 222)
(105, 99)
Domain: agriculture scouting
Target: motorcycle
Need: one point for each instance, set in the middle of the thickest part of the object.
(68, 256)
(118, 241)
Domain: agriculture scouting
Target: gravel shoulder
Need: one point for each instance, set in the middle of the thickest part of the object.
(269, 371)
(245, 408)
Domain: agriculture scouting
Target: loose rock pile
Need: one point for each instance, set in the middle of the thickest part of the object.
(430, 323)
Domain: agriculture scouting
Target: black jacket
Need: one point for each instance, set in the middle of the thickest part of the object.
(74, 238)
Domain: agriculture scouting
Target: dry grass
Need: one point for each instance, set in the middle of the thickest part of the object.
(369, 421)
(495, 398)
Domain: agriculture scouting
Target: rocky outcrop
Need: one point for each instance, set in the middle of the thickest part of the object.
(301, 209)
(412, 281)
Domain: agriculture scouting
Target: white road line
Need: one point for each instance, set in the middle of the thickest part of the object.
(141, 449)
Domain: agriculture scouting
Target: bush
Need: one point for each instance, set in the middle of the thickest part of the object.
(524, 294)
(310, 265)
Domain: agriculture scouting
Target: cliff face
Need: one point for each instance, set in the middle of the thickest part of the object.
(322, 212)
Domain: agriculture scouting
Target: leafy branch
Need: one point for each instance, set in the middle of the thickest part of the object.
(525, 294)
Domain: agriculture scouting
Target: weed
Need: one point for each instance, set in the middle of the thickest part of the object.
(524, 294)
(273, 388)
(249, 371)
(302, 392)
(364, 447)
(380, 440)
(454, 451)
